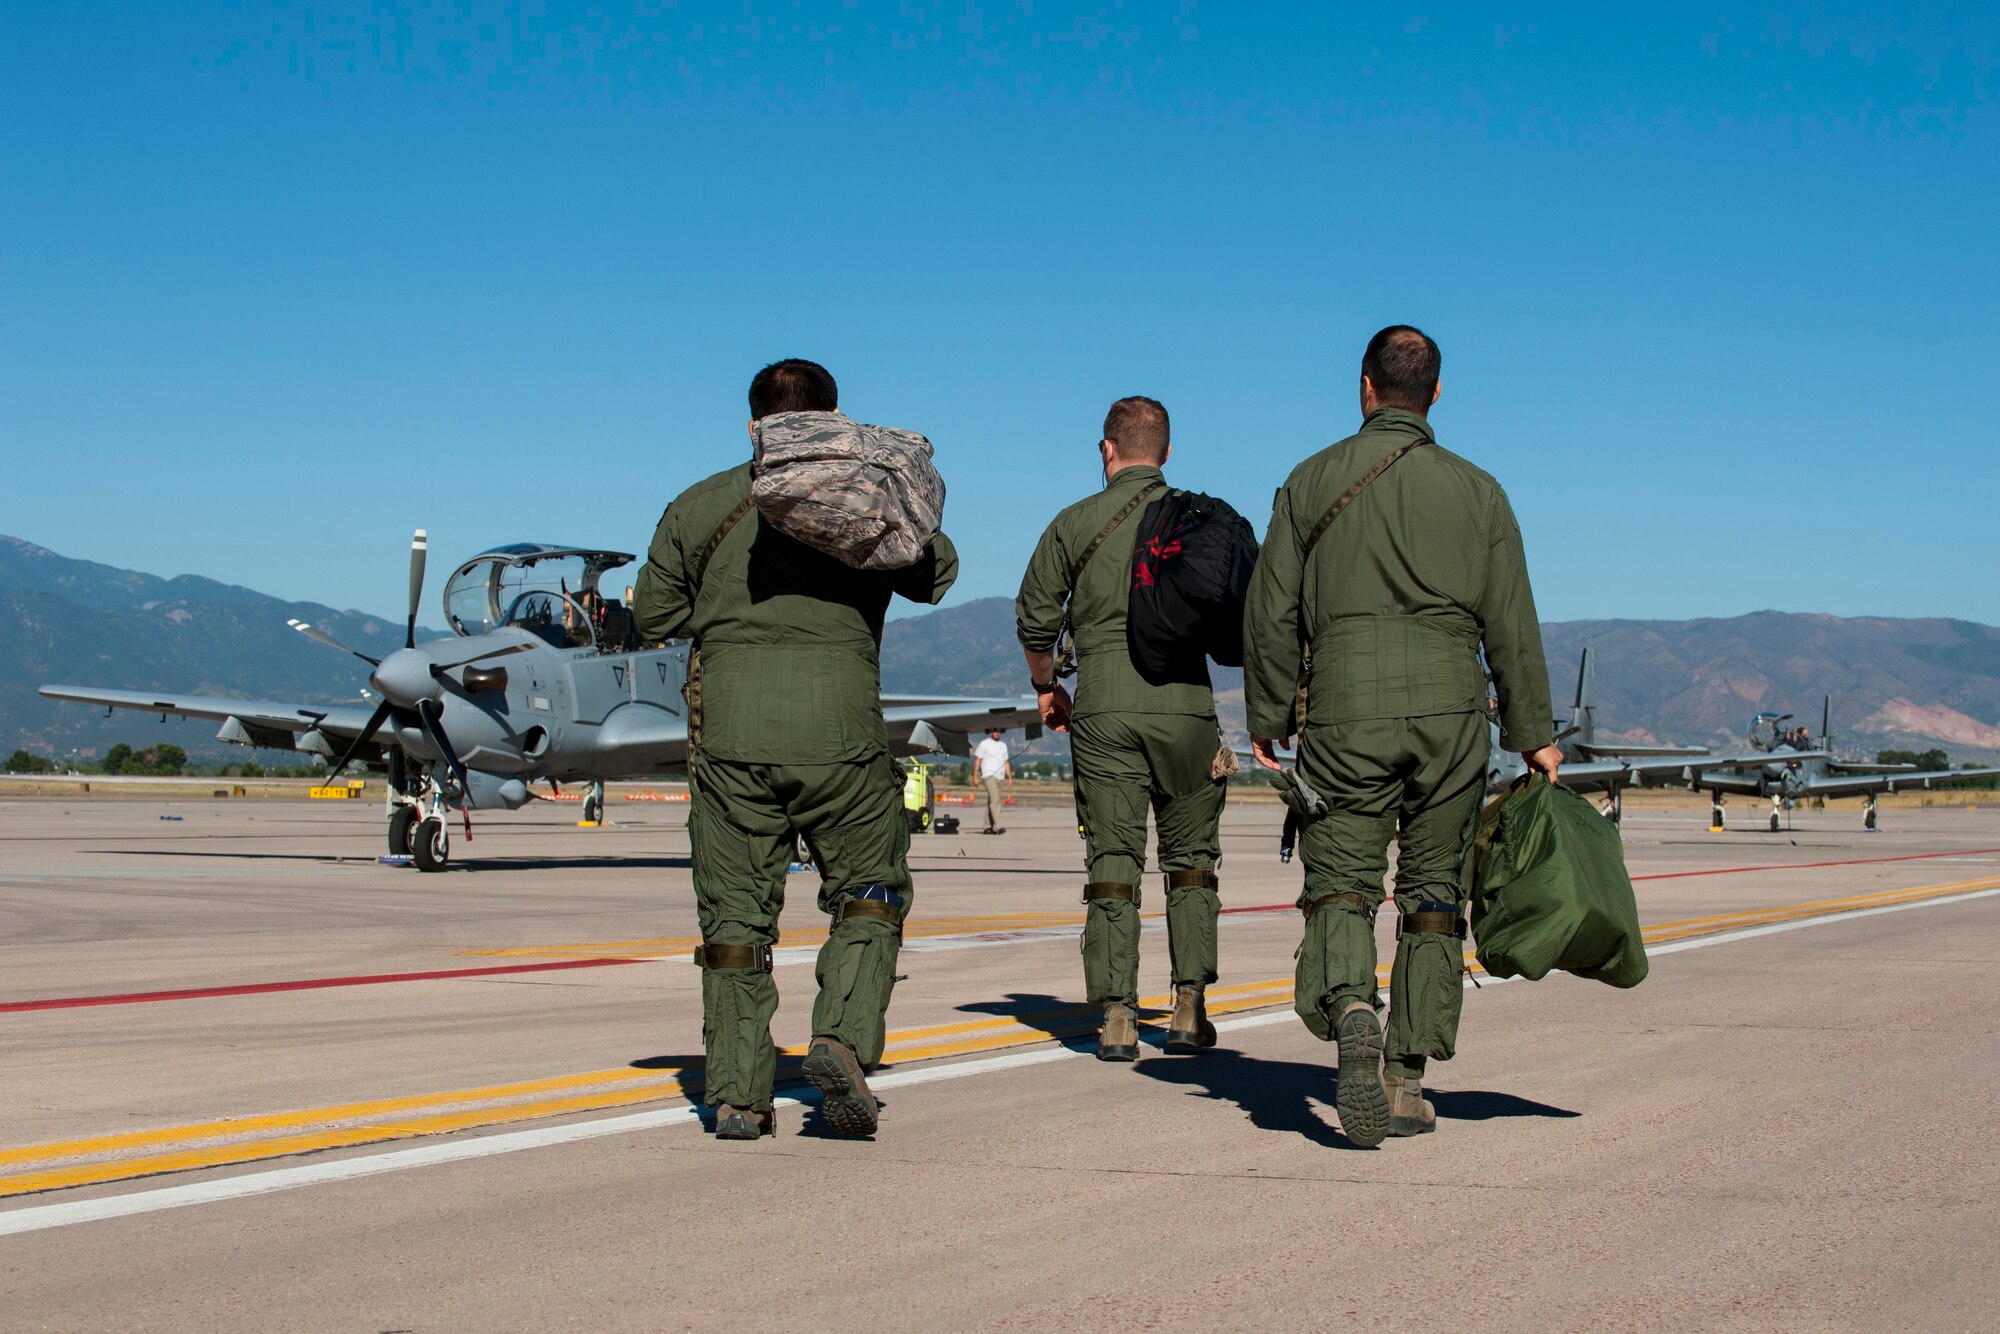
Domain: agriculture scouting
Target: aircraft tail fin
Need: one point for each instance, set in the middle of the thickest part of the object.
(1582, 729)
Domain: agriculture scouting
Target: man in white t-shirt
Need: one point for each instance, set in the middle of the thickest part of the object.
(991, 757)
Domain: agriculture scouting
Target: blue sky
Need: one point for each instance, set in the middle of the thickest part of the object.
(1716, 294)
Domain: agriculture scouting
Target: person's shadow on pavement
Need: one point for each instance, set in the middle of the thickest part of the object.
(1282, 1095)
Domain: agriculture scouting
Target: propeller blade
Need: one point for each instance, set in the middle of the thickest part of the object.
(320, 636)
(375, 721)
(419, 545)
(431, 713)
(480, 657)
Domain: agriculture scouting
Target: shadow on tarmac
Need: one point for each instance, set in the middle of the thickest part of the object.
(1280, 1095)
(1049, 1015)
(789, 1082)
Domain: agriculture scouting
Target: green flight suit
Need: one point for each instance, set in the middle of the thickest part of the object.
(1396, 602)
(1132, 744)
(791, 742)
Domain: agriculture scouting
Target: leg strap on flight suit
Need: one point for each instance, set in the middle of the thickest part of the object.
(1438, 919)
(1203, 879)
(1341, 896)
(733, 956)
(878, 901)
(1111, 889)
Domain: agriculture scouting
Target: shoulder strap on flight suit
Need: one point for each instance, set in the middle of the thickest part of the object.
(1345, 499)
(715, 540)
(1065, 646)
(691, 682)
(1110, 527)
(1347, 496)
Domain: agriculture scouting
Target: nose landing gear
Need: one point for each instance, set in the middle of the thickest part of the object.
(417, 827)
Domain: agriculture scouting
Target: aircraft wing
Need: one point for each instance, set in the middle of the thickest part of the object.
(1590, 775)
(1721, 773)
(640, 738)
(1641, 752)
(268, 722)
(926, 726)
(1854, 785)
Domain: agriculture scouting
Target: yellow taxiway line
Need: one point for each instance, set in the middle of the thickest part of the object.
(250, 1139)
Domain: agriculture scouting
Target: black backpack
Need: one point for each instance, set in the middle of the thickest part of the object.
(1191, 566)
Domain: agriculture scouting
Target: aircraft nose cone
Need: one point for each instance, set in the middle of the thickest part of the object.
(405, 677)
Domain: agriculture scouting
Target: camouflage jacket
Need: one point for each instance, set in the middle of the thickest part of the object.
(790, 638)
(1106, 680)
(866, 495)
(1400, 595)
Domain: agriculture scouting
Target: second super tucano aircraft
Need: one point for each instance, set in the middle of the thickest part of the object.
(543, 679)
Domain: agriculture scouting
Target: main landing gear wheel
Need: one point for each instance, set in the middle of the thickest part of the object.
(431, 848)
(401, 821)
(593, 810)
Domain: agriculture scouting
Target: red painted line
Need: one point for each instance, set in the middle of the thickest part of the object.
(1724, 870)
(1814, 866)
(307, 984)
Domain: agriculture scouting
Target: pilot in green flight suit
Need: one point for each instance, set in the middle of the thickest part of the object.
(789, 739)
(1132, 743)
(1390, 601)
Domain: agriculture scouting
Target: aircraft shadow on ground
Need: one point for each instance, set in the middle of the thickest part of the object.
(1281, 1095)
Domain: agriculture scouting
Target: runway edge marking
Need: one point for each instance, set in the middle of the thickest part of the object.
(38, 1218)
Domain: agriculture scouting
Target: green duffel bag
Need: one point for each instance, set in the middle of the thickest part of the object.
(1550, 890)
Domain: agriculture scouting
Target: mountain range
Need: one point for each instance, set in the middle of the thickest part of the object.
(1894, 682)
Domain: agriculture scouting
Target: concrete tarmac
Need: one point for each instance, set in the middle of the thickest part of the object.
(251, 1079)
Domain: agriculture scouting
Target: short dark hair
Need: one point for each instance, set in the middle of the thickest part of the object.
(1402, 363)
(1139, 427)
(793, 385)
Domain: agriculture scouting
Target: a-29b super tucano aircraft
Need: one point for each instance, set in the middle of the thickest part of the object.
(544, 679)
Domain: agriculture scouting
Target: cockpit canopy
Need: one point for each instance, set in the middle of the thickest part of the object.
(550, 591)
(1766, 730)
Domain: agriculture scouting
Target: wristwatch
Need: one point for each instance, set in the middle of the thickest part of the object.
(1043, 687)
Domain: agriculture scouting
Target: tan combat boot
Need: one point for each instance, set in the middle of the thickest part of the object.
(1359, 1098)
(1189, 1030)
(1410, 1113)
(845, 1101)
(741, 1123)
(1118, 1036)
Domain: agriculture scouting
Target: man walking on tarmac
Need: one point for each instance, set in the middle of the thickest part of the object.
(786, 737)
(1388, 565)
(1131, 742)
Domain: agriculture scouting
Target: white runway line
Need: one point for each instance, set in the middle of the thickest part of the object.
(37, 1218)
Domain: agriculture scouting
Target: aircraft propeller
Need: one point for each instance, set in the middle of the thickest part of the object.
(431, 714)
(419, 544)
(320, 636)
(375, 721)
